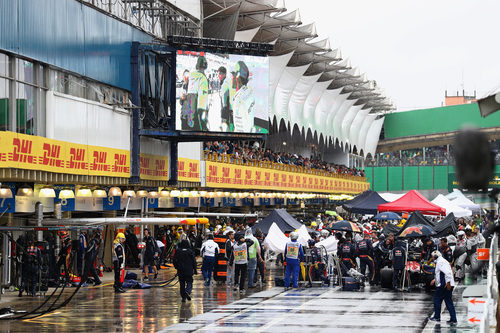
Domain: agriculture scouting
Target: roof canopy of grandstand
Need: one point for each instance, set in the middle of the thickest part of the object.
(314, 92)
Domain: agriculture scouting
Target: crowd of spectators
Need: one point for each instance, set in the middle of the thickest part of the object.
(437, 155)
(246, 153)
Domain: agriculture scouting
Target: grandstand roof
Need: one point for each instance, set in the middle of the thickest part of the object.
(311, 85)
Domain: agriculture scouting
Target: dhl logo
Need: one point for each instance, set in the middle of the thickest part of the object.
(77, 159)
(160, 165)
(22, 151)
(144, 162)
(99, 161)
(120, 164)
(237, 173)
(212, 170)
(51, 154)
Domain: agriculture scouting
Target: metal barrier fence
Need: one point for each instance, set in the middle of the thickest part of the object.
(488, 318)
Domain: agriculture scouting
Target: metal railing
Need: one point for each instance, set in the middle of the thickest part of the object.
(229, 158)
(488, 318)
(153, 16)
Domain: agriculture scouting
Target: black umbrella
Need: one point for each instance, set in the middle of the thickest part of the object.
(418, 230)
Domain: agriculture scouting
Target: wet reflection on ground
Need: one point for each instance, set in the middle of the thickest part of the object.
(99, 309)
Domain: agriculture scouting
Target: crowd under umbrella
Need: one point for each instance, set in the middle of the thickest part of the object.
(345, 226)
(415, 231)
(386, 216)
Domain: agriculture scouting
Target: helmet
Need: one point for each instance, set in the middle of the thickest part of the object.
(241, 71)
(201, 63)
(120, 235)
(314, 224)
(461, 233)
(325, 233)
(294, 235)
(436, 254)
(311, 242)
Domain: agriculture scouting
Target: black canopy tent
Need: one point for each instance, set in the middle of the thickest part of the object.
(283, 220)
(446, 226)
(390, 229)
(357, 199)
(367, 205)
(415, 219)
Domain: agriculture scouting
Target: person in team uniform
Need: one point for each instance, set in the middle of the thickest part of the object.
(194, 114)
(118, 261)
(365, 254)
(242, 100)
(294, 254)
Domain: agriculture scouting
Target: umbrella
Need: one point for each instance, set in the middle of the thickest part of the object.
(418, 230)
(387, 216)
(345, 226)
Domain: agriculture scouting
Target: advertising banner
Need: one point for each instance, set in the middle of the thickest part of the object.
(39, 153)
(222, 92)
(226, 175)
(453, 182)
(154, 167)
(188, 170)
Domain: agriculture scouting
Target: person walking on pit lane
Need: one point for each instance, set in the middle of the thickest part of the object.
(294, 254)
(443, 279)
(150, 254)
(209, 251)
(253, 257)
(229, 253)
(185, 263)
(119, 262)
(240, 259)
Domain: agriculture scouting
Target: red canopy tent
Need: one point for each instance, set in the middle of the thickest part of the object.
(411, 202)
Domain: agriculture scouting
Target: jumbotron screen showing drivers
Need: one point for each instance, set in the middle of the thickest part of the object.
(222, 92)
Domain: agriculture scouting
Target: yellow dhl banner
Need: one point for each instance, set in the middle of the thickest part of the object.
(188, 170)
(154, 167)
(225, 175)
(39, 153)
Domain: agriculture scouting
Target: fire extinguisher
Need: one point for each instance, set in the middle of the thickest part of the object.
(101, 270)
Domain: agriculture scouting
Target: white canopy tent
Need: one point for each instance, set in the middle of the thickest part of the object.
(390, 197)
(450, 207)
(459, 199)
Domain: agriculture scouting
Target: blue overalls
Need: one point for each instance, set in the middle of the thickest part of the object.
(293, 256)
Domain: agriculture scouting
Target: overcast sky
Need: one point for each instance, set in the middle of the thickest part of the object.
(415, 50)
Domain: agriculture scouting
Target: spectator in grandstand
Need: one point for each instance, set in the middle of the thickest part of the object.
(255, 154)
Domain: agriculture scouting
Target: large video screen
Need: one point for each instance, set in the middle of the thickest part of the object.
(222, 92)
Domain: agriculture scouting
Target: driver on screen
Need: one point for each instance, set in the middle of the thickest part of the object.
(243, 100)
(194, 115)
